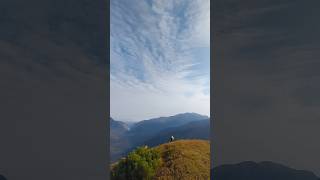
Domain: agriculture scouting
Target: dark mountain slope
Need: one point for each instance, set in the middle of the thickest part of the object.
(118, 141)
(118, 127)
(260, 171)
(146, 129)
(193, 130)
(155, 131)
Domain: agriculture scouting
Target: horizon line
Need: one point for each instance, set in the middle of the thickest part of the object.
(145, 119)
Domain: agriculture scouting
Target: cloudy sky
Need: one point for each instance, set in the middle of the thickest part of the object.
(159, 58)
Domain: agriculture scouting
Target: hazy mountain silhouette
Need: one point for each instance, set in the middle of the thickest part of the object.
(148, 128)
(129, 123)
(193, 130)
(118, 127)
(155, 131)
(260, 171)
(118, 140)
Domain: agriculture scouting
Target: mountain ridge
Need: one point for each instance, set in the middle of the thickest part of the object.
(265, 170)
(125, 140)
(152, 126)
(182, 159)
(194, 130)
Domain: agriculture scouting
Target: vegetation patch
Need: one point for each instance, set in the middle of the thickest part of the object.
(141, 164)
(183, 159)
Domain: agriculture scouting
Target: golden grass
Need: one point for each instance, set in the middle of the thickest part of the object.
(184, 159)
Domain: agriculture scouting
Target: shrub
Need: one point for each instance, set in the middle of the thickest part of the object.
(141, 164)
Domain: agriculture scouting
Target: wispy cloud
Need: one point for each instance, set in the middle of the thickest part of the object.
(159, 57)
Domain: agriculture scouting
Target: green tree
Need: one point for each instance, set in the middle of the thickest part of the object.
(141, 164)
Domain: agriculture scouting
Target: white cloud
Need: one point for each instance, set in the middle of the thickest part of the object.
(152, 58)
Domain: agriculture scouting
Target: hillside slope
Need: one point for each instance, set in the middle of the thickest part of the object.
(194, 130)
(117, 130)
(260, 171)
(184, 159)
(118, 140)
(148, 128)
(155, 131)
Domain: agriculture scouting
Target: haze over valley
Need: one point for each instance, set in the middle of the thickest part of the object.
(156, 131)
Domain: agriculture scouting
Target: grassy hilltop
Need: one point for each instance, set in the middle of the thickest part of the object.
(183, 159)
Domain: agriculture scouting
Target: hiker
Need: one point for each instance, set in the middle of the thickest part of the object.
(171, 139)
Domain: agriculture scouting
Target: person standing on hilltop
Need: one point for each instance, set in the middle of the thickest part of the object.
(171, 139)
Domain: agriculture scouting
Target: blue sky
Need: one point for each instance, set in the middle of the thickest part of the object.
(159, 58)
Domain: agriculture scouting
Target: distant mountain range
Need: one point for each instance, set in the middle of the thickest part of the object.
(193, 130)
(118, 127)
(156, 131)
(260, 171)
(118, 140)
